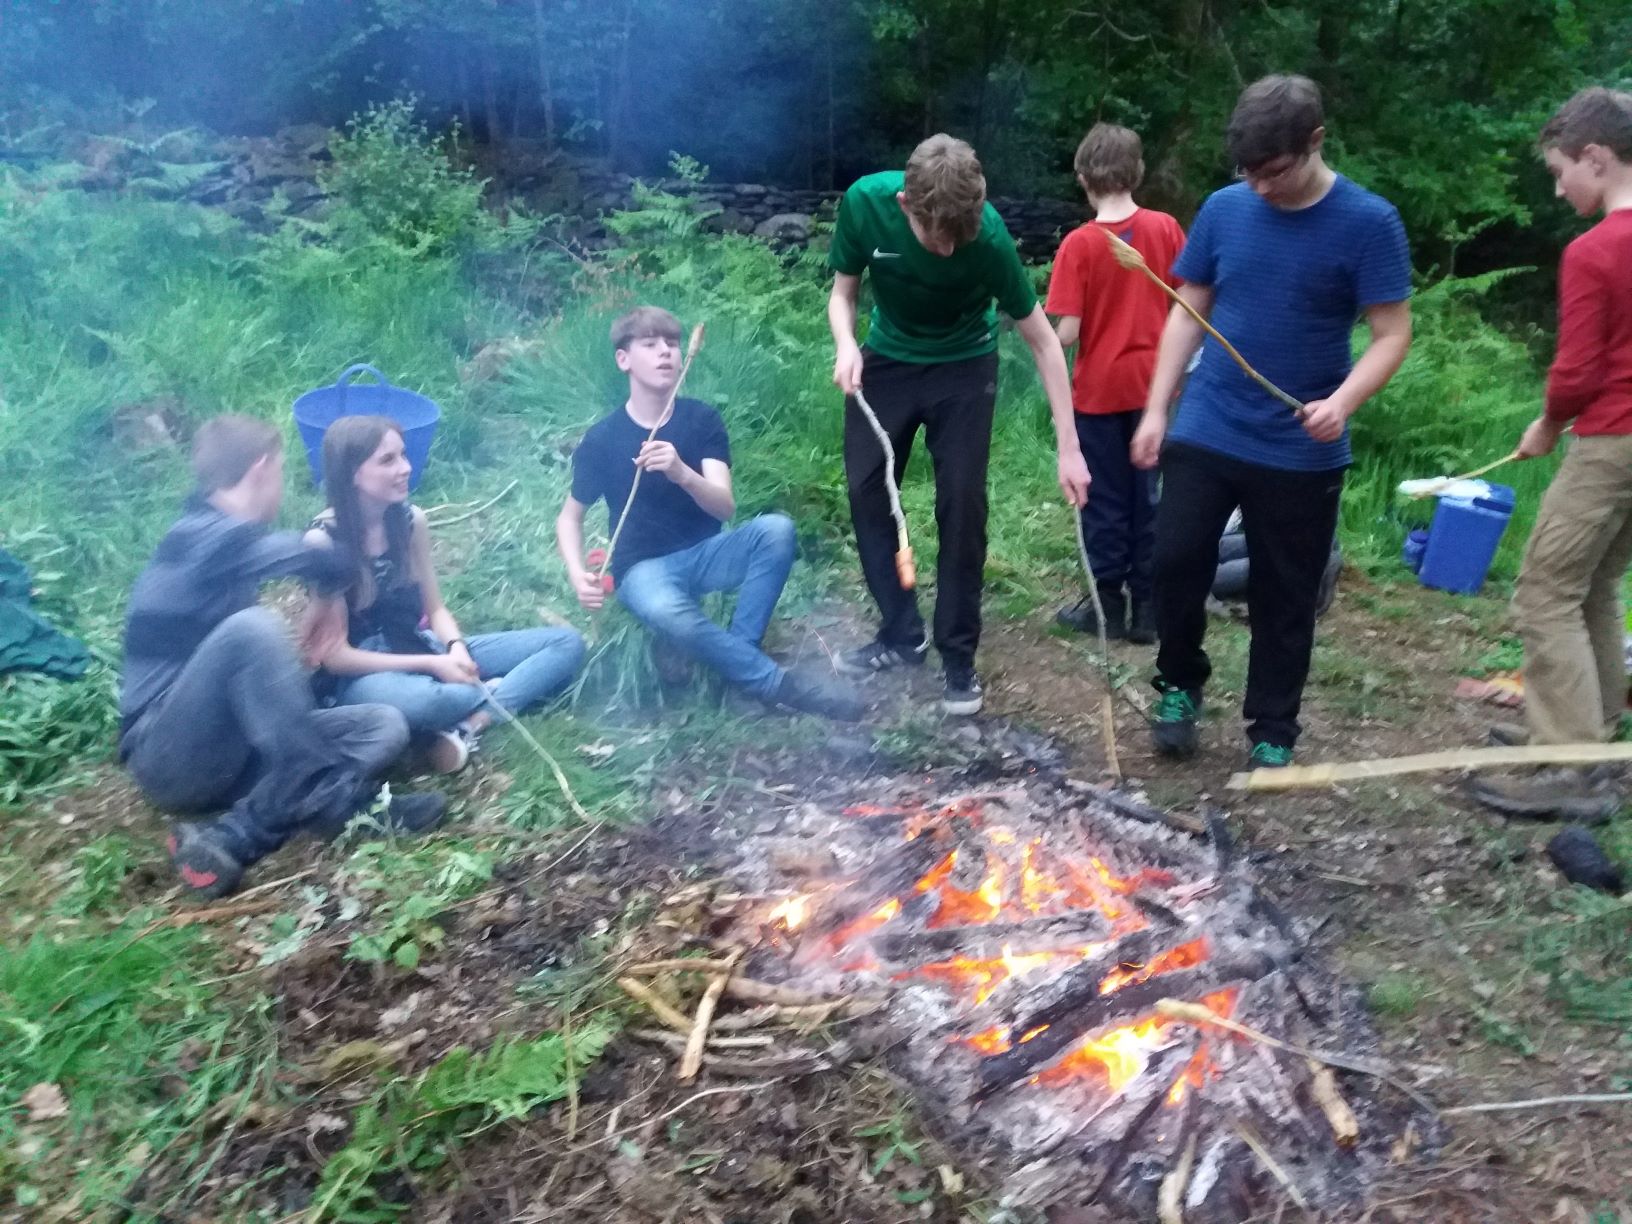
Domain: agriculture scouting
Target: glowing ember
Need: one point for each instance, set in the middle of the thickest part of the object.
(972, 908)
(866, 923)
(979, 978)
(992, 1041)
(1185, 956)
(1118, 1056)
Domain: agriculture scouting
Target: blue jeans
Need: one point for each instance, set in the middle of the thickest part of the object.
(753, 560)
(536, 664)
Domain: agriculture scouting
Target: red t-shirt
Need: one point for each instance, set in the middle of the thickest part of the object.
(1122, 313)
(1591, 378)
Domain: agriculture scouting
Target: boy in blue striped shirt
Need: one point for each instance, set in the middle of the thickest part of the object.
(1283, 263)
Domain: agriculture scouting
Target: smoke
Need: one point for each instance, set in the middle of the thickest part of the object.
(754, 88)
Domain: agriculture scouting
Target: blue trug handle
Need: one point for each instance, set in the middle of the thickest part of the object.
(362, 367)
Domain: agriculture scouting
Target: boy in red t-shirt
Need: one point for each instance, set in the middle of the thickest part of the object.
(1115, 319)
(1568, 598)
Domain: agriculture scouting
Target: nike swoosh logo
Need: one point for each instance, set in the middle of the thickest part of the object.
(878, 254)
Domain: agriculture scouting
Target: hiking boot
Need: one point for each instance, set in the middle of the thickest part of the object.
(879, 656)
(447, 752)
(1142, 622)
(206, 867)
(415, 814)
(963, 693)
(1508, 735)
(1082, 618)
(1269, 756)
(810, 693)
(1549, 794)
(1173, 727)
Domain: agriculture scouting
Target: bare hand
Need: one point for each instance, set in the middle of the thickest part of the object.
(1145, 451)
(591, 595)
(847, 369)
(1074, 478)
(462, 652)
(1540, 437)
(451, 670)
(660, 457)
(1324, 419)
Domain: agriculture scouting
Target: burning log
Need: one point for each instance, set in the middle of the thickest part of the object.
(1036, 933)
(1323, 1089)
(1077, 1015)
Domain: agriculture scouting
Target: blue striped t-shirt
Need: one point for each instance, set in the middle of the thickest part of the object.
(1288, 287)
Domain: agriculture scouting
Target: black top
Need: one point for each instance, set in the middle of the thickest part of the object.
(208, 566)
(398, 606)
(663, 519)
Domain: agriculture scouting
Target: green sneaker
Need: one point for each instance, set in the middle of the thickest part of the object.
(1269, 756)
(1174, 725)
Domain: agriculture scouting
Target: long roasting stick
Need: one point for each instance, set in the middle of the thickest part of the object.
(1434, 487)
(1107, 705)
(695, 343)
(1130, 258)
(905, 571)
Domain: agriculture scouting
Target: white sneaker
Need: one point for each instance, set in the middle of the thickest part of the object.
(447, 752)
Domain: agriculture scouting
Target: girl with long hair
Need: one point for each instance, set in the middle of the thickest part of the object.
(389, 638)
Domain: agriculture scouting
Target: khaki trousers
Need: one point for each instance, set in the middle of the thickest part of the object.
(1568, 598)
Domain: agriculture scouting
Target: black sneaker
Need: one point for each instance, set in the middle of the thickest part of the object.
(415, 814)
(1174, 725)
(1142, 623)
(1082, 618)
(879, 656)
(963, 692)
(206, 867)
(810, 693)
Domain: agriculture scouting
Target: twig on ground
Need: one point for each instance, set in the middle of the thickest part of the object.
(1323, 1088)
(219, 913)
(669, 1113)
(659, 1006)
(677, 1043)
(459, 518)
(677, 964)
(692, 1060)
(1170, 1198)
(1586, 1098)
(1251, 1138)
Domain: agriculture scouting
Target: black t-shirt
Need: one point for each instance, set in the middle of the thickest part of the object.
(663, 519)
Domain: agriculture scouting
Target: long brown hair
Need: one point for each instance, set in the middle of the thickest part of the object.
(347, 445)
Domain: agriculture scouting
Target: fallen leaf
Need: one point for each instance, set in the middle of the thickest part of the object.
(45, 1102)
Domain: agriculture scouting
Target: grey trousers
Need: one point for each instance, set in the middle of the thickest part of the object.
(239, 730)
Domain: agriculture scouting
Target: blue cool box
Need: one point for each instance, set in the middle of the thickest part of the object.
(1462, 540)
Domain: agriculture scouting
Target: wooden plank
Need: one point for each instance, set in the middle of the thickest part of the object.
(1313, 777)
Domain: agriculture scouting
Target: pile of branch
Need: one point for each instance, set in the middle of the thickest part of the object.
(712, 1038)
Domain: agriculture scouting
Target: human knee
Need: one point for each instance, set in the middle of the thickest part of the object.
(651, 596)
(776, 534)
(254, 627)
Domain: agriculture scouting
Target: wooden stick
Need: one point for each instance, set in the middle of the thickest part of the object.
(905, 571)
(695, 343)
(1259, 1149)
(459, 518)
(1323, 1088)
(660, 1007)
(555, 766)
(677, 1043)
(1312, 777)
(1131, 259)
(1107, 711)
(691, 1061)
(679, 964)
(1435, 488)
(1170, 1198)
(1195, 1013)
(1589, 1098)
(218, 913)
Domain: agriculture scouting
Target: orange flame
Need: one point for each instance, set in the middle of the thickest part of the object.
(1185, 956)
(790, 915)
(866, 923)
(972, 908)
(1120, 1055)
(981, 978)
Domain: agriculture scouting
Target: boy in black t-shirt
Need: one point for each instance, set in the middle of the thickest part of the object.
(673, 550)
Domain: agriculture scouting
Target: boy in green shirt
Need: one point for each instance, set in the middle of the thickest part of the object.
(939, 257)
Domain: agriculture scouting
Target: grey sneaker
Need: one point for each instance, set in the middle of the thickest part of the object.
(810, 693)
(1550, 794)
(879, 656)
(206, 867)
(963, 695)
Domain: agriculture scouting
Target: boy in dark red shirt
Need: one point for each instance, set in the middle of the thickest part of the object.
(1568, 599)
(1115, 319)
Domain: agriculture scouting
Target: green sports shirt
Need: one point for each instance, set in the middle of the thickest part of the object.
(927, 308)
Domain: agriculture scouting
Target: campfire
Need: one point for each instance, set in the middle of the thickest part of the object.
(1085, 993)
